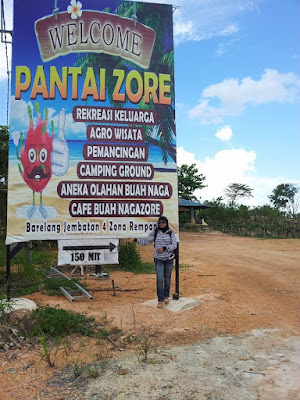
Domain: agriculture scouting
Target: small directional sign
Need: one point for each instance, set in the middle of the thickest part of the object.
(88, 252)
(110, 247)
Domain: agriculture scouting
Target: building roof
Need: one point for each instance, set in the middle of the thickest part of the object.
(190, 203)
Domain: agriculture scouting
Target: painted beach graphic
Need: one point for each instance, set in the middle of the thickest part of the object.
(93, 138)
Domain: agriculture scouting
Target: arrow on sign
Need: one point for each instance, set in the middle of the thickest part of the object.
(110, 247)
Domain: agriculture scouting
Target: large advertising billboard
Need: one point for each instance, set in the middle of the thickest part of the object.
(92, 148)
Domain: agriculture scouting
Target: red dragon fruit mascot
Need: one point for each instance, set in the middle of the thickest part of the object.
(42, 155)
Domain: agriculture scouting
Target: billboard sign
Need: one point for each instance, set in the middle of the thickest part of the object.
(92, 148)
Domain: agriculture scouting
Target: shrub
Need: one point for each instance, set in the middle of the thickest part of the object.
(56, 322)
(184, 218)
(130, 260)
(129, 257)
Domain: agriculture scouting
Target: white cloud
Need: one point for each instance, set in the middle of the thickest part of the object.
(227, 166)
(224, 133)
(183, 28)
(3, 61)
(232, 166)
(224, 47)
(196, 20)
(77, 129)
(249, 5)
(207, 19)
(19, 112)
(234, 95)
(229, 30)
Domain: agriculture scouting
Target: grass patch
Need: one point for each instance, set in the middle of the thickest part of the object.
(26, 274)
(141, 268)
(5, 307)
(41, 256)
(31, 275)
(188, 227)
(106, 333)
(52, 286)
(184, 266)
(56, 323)
(146, 268)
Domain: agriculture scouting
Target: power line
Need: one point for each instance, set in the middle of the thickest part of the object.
(5, 41)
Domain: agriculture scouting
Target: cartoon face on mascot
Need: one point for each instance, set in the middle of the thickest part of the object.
(35, 156)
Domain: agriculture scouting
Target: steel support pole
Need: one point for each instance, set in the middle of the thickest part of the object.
(10, 253)
(176, 294)
(8, 272)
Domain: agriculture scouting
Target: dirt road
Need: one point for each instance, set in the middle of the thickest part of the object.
(249, 311)
(244, 284)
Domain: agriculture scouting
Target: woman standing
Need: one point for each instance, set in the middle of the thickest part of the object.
(164, 244)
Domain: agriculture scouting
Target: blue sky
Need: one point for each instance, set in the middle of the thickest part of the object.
(237, 92)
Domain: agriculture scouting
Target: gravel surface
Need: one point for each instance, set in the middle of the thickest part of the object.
(256, 365)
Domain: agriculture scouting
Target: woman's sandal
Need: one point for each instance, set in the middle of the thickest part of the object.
(160, 304)
(167, 301)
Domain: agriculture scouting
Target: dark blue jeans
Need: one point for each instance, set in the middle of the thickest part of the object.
(163, 278)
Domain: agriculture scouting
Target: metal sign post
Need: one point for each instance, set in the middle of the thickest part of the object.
(11, 251)
(176, 294)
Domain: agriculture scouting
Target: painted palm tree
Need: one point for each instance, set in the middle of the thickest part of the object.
(162, 135)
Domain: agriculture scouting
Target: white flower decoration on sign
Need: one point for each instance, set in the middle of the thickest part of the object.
(75, 9)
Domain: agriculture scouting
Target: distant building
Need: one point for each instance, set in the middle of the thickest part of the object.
(191, 207)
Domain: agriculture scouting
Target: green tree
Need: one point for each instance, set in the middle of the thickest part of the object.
(218, 202)
(189, 180)
(261, 221)
(237, 190)
(3, 175)
(163, 134)
(284, 197)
